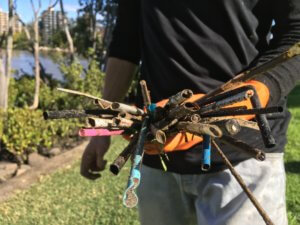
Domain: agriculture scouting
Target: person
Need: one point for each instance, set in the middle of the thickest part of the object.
(199, 45)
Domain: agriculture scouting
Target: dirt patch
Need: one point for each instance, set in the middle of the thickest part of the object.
(32, 175)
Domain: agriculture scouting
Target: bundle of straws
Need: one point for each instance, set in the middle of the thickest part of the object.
(205, 117)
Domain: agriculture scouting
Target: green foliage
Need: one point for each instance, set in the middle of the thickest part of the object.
(82, 35)
(20, 41)
(22, 130)
(25, 130)
(94, 76)
(21, 91)
(58, 39)
(292, 159)
(73, 75)
(88, 81)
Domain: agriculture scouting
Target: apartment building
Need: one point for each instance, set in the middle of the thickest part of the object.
(17, 26)
(51, 21)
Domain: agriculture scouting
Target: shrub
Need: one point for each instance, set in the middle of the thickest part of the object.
(77, 78)
(93, 79)
(21, 91)
(20, 41)
(25, 130)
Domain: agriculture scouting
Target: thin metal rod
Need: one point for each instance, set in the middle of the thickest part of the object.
(224, 95)
(239, 112)
(244, 147)
(243, 185)
(145, 93)
(228, 101)
(253, 73)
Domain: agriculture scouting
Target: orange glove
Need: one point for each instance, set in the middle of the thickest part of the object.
(183, 141)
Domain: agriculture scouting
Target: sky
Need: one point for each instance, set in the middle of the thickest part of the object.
(25, 11)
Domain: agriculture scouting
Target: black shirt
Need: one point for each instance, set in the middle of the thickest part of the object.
(201, 44)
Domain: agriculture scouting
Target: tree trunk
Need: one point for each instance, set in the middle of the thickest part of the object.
(3, 87)
(36, 64)
(6, 74)
(107, 36)
(67, 31)
(94, 33)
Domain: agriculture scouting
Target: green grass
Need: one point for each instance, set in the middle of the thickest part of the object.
(65, 198)
(292, 159)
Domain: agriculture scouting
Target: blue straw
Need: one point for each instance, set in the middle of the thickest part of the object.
(206, 156)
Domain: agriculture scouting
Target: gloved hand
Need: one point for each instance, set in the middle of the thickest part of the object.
(183, 141)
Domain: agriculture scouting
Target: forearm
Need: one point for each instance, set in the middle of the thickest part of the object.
(119, 75)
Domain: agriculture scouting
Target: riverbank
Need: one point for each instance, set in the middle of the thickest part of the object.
(43, 48)
(49, 49)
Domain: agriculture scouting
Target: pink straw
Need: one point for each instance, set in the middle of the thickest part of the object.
(91, 132)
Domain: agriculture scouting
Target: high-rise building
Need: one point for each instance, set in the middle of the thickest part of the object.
(51, 21)
(17, 26)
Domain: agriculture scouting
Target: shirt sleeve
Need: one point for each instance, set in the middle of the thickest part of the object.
(286, 32)
(125, 42)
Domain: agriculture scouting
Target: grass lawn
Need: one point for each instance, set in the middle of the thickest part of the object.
(292, 159)
(65, 198)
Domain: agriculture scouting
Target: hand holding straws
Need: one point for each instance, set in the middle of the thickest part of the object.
(206, 117)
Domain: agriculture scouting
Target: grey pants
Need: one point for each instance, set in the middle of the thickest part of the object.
(167, 198)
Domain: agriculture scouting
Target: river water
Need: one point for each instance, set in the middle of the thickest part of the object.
(23, 62)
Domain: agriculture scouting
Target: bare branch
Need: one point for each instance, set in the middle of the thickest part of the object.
(67, 31)
(36, 10)
(20, 20)
(40, 6)
(32, 5)
(15, 5)
(27, 33)
(53, 5)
